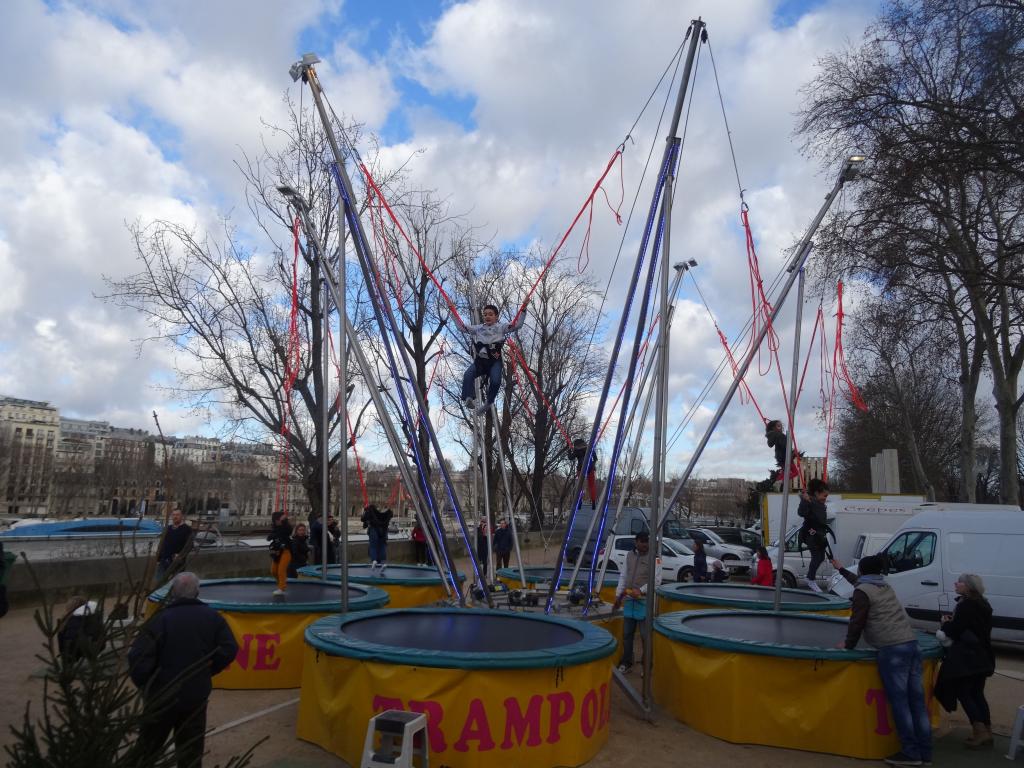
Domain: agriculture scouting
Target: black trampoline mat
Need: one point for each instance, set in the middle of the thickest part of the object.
(261, 592)
(362, 570)
(461, 632)
(742, 592)
(792, 630)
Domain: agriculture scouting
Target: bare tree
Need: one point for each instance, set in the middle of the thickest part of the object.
(226, 306)
(933, 96)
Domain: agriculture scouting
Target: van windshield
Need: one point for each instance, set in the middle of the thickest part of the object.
(674, 529)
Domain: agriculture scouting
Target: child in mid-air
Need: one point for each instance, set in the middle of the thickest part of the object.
(488, 338)
(776, 438)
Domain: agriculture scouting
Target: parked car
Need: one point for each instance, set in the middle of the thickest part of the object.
(733, 557)
(740, 537)
(632, 521)
(676, 558)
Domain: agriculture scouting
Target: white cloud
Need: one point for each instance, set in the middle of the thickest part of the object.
(114, 111)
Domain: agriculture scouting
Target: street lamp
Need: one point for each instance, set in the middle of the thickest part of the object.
(292, 196)
(852, 166)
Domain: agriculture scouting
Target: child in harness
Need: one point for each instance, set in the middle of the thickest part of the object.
(488, 338)
(815, 531)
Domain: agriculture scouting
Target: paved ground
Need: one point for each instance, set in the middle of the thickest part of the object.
(664, 742)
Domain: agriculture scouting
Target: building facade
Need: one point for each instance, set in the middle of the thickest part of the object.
(29, 433)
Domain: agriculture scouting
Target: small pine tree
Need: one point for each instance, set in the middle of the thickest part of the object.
(91, 713)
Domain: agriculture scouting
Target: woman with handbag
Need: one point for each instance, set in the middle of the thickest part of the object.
(969, 658)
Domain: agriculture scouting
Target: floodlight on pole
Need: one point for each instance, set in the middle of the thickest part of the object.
(290, 194)
(852, 166)
(298, 69)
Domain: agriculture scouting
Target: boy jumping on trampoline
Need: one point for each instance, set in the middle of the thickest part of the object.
(488, 338)
(280, 539)
(814, 531)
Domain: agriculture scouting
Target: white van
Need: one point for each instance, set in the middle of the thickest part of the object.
(930, 551)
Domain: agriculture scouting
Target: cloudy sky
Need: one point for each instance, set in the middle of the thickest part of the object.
(118, 111)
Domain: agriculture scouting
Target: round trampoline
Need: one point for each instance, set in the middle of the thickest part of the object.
(543, 575)
(749, 597)
(269, 629)
(498, 688)
(781, 680)
(407, 586)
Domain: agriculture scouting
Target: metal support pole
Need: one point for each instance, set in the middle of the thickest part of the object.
(382, 309)
(794, 383)
(302, 209)
(324, 443)
(658, 468)
(508, 506)
(342, 302)
(694, 33)
(680, 269)
(480, 425)
(848, 173)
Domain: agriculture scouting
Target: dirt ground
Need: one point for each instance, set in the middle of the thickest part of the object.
(631, 738)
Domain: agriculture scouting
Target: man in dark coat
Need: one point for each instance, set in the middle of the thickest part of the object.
(174, 546)
(173, 661)
(502, 545)
(376, 524)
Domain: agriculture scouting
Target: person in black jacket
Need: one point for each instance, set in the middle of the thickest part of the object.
(174, 546)
(173, 661)
(80, 630)
(776, 438)
(482, 535)
(376, 524)
(814, 531)
(502, 545)
(6, 563)
(300, 551)
(700, 562)
(969, 658)
(280, 538)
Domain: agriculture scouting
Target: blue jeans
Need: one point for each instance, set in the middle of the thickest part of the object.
(482, 367)
(633, 614)
(903, 680)
(378, 545)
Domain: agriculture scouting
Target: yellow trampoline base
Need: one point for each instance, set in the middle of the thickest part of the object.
(409, 596)
(270, 650)
(482, 718)
(400, 595)
(834, 707)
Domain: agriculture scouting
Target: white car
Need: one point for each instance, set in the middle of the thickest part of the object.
(676, 558)
(733, 556)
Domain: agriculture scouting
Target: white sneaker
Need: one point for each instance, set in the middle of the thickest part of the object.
(278, 592)
(624, 668)
(813, 586)
(373, 567)
(383, 567)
